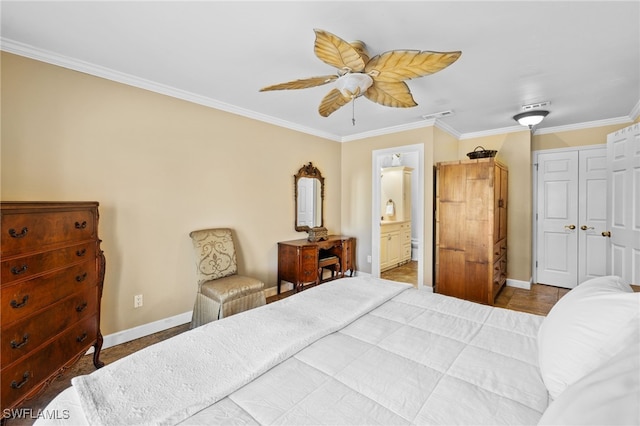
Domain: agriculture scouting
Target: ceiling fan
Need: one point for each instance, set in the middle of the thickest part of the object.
(380, 79)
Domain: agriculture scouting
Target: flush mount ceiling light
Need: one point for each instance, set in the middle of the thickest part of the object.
(530, 118)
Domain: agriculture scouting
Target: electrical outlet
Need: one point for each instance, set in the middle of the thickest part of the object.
(137, 301)
(369, 259)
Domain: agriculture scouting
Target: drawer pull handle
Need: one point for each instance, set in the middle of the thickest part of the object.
(21, 234)
(81, 225)
(81, 307)
(81, 278)
(25, 379)
(17, 305)
(81, 253)
(16, 345)
(82, 338)
(17, 271)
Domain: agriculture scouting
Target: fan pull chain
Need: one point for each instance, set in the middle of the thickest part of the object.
(353, 111)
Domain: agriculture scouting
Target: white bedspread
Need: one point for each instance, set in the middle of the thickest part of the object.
(170, 381)
(334, 354)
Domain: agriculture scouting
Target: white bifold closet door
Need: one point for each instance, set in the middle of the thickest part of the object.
(571, 216)
(624, 203)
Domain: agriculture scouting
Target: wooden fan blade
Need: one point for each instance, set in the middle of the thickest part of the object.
(400, 65)
(394, 94)
(336, 52)
(332, 102)
(302, 83)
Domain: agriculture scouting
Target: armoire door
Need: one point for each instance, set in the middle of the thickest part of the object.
(571, 216)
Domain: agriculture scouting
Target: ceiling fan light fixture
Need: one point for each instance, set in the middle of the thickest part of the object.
(352, 85)
(530, 118)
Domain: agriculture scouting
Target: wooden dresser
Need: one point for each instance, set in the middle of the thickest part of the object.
(298, 260)
(471, 229)
(52, 278)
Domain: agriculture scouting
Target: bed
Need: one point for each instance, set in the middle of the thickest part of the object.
(362, 351)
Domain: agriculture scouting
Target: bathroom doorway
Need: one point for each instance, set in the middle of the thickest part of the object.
(410, 157)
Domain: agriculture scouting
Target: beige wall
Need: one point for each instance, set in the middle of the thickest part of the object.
(160, 167)
(574, 138)
(514, 150)
(357, 189)
(357, 157)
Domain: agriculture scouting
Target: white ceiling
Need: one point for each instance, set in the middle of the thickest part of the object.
(582, 56)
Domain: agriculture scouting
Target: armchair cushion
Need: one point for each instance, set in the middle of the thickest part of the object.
(231, 287)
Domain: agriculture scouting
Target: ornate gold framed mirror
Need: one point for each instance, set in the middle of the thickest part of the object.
(309, 197)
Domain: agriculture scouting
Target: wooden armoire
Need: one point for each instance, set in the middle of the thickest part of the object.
(471, 229)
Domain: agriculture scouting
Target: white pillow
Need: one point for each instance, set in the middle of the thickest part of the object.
(608, 395)
(612, 282)
(586, 327)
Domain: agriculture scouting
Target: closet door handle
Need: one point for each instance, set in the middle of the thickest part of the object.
(572, 227)
(606, 234)
(585, 227)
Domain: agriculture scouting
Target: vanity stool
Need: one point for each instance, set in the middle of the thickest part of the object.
(331, 262)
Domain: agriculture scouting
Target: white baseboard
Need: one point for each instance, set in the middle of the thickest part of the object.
(144, 330)
(519, 284)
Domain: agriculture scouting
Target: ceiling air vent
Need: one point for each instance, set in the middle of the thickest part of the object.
(437, 115)
(536, 106)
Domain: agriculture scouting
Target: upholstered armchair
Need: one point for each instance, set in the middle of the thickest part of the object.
(221, 291)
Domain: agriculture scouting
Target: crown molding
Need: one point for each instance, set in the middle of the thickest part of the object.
(635, 112)
(446, 128)
(29, 51)
(404, 127)
(388, 130)
(493, 132)
(585, 125)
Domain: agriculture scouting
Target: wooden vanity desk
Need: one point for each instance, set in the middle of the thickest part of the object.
(298, 260)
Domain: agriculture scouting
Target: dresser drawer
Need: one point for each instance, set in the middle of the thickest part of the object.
(24, 298)
(26, 266)
(22, 337)
(348, 255)
(22, 232)
(27, 375)
(499, 274)
(500, 248)
(309, 264)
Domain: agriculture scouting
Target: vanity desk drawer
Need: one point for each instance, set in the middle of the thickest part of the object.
(298, 259)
